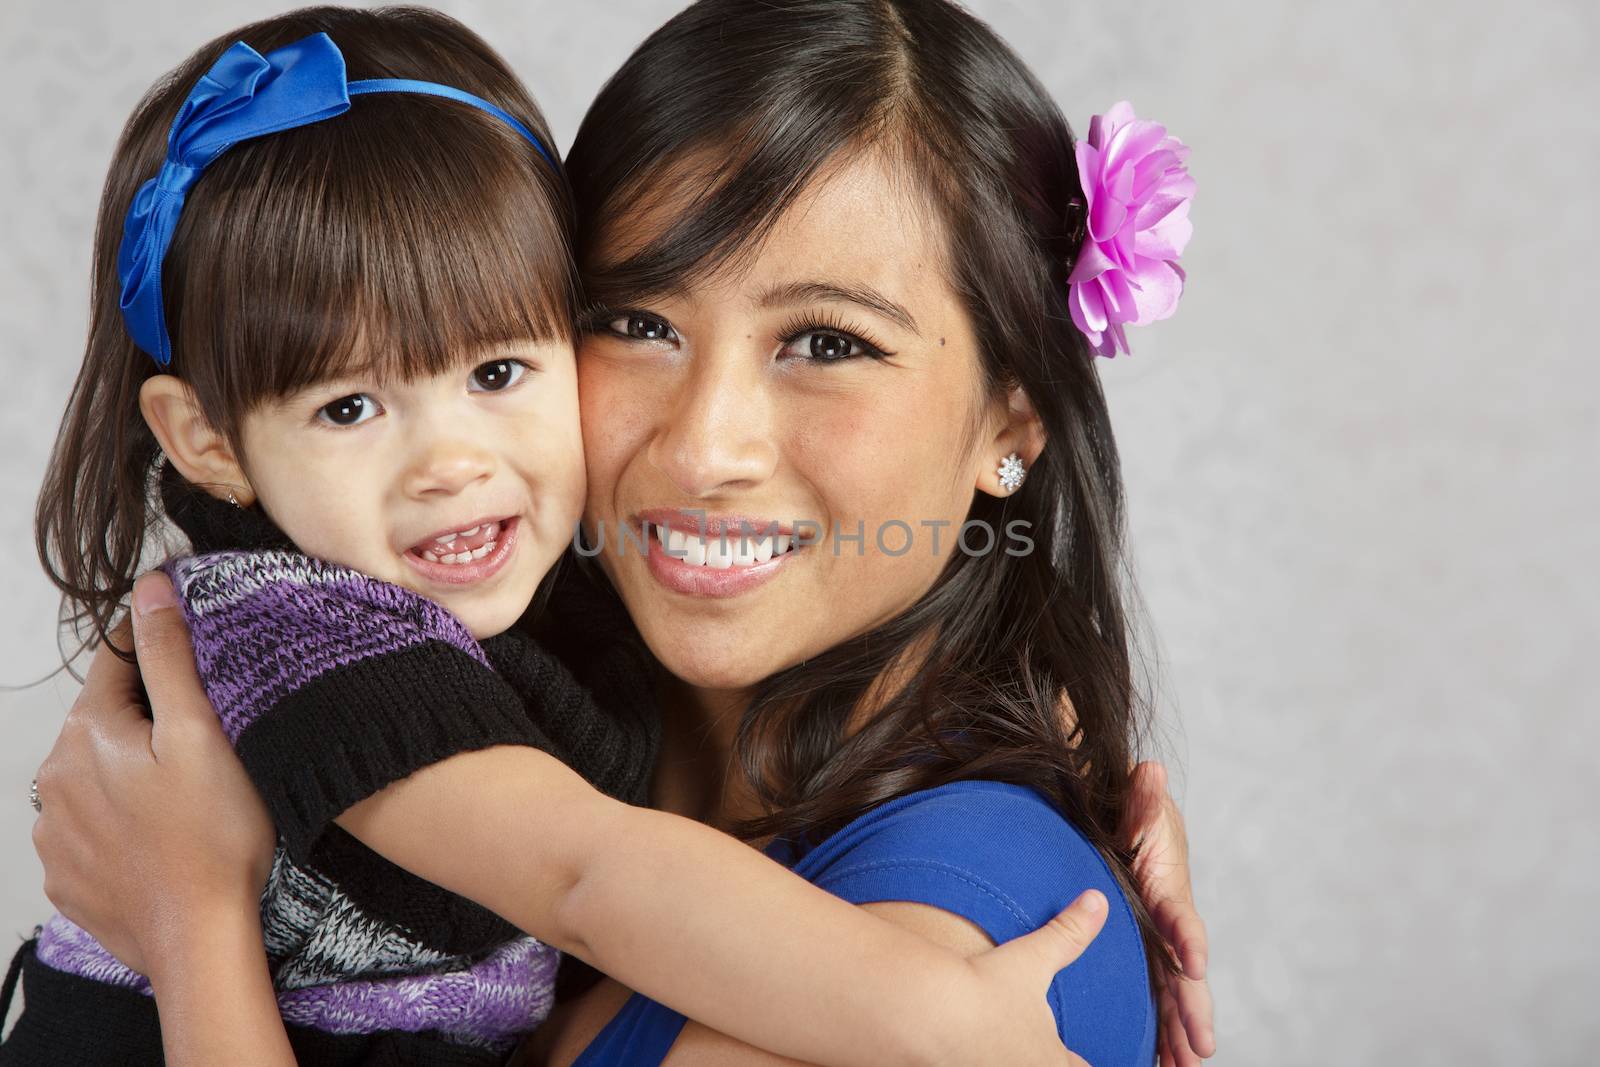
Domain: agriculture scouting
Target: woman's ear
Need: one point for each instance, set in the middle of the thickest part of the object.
(1020, 434)
(199, 452)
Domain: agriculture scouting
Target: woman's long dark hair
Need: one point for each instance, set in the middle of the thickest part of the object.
(1022, 667)
(399, 234)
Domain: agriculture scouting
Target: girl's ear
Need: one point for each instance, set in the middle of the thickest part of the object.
(1020, 433)
(199, 452)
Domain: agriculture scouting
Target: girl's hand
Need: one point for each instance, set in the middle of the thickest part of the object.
(150, 832)
(1161, 868)
(1020, 972)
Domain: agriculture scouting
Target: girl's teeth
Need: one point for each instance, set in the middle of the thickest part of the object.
(464, 556)
(488, 532)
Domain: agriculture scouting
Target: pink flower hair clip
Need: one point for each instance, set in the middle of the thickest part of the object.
(1138, 191)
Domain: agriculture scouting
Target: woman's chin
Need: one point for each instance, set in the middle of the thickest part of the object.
(716, 664)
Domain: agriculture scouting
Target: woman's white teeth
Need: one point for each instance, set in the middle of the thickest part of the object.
(722, 552)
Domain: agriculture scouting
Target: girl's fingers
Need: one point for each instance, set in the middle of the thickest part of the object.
(1061, 940)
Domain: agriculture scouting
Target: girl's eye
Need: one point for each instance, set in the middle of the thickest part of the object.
(350, 410)
(828, 346)
(641, 326)
(496, 375)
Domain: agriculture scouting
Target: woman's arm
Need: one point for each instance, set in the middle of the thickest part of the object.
(216, 1001)
(127, 805)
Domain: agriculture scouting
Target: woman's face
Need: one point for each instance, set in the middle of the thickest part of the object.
(821, 397)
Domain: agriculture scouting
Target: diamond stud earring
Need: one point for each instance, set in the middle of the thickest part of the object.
(1011, 473)
(232, 499)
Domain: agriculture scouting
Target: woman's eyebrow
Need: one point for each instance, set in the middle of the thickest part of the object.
(862, 295)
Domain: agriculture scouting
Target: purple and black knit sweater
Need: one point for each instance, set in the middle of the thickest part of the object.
(331, 685)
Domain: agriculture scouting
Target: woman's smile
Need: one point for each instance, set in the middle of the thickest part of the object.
(719, 563)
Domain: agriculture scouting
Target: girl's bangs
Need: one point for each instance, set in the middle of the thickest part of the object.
(395, 241)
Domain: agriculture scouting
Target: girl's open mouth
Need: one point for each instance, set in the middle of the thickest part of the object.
(467, 555)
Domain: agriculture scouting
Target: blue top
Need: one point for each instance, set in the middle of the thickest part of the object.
(996, 854)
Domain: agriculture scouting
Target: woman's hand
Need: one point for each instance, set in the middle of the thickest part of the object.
(151, 835)
(1155, 824)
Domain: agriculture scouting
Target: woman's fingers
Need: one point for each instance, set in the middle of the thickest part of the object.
(1174, 1036)
(1146, 797)
(112, 683)
(1187, 934)
(1193, 1006)
(1153, 824)
(166, 655)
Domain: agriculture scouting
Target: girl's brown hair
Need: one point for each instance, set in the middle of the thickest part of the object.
(395, 237)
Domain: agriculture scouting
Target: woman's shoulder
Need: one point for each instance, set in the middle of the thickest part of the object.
(1004, 858)
(1009, 833)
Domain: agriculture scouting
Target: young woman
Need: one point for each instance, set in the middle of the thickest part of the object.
(830, 285)
(375, 483)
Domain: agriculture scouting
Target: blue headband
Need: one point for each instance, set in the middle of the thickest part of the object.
(243, 95)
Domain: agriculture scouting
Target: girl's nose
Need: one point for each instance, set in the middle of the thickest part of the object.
(446, 467)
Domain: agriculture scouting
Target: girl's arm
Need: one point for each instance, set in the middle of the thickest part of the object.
(574, 1026)
(707, 925)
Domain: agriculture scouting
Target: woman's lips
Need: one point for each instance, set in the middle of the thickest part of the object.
(716, 566)
(478, 553)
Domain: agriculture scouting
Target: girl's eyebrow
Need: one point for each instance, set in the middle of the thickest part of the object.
(858, 294)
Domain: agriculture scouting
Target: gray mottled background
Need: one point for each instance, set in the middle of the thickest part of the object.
(1361, 466)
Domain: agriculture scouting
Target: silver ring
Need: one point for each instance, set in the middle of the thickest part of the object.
(33, 796)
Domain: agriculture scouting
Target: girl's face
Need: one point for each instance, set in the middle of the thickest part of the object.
(463, 486)
(825, 389)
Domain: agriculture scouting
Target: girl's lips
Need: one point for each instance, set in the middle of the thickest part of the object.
(698, 580)
(477, 570)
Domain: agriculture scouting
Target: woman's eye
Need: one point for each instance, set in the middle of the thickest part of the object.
(641, 327)
(350, 410)
(496, 375)
(827, 346)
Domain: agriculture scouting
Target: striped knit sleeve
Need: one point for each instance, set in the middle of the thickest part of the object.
(332, 685)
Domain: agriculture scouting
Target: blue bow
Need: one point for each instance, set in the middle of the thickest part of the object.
(243, 95)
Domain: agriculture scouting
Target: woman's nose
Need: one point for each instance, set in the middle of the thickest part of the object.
(446, 466)
(718, 433)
